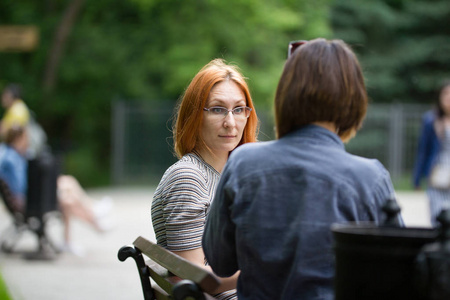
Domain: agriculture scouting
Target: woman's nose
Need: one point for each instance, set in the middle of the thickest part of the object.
(229, 120)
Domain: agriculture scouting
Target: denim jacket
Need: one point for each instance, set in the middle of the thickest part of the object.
(13, 169)
(427, 150)
(274, 206)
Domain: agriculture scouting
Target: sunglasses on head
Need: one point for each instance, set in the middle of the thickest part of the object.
(294, 45)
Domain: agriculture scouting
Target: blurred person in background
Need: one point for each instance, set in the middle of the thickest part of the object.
(17, 113)
(433, 154)
(216, 114)
(275, 202)
(72, 199)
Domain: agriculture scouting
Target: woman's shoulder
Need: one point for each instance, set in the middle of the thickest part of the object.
(187, 174)
(187, 165)
(364, 167)
(189, 168)
(253, 150)
(429, 116)
(7, 153)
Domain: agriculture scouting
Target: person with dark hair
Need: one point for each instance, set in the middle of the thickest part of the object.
(433, 154)
(276, 200)
(215, 115)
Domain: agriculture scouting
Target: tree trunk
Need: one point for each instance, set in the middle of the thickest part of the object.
(59, 42)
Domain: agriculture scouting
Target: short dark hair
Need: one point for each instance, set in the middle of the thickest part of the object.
(14, 89)
(321, 81)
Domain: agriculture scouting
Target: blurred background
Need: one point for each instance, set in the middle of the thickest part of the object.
(103, 77)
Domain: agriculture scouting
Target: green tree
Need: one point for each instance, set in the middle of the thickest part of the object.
(92, 52)
(403, 45)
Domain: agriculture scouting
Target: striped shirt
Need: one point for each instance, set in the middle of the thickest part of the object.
(181, 203)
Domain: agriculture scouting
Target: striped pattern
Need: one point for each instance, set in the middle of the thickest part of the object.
(439, 199)
(181, 203)
(227, 295)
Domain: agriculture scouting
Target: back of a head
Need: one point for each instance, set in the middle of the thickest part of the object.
(186, 130)
(321, 82)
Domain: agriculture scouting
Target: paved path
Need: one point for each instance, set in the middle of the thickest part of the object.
(99, 274)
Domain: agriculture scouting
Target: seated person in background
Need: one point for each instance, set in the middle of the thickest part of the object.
(72, 199)
(276, 200)
(17, 113)
(216, 115)
(13, 165)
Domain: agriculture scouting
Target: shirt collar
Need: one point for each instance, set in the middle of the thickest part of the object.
(317, 133)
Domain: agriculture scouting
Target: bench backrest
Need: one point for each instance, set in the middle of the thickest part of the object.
(173, 276)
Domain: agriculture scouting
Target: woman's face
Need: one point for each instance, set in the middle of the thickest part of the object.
(445, 100)
(7, 99)
(223, 133)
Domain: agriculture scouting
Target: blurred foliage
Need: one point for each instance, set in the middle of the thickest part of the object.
(148, 50)
(144, 50)
(4, 295)
(403, 45)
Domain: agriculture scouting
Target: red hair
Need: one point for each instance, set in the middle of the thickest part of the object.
(186, 131)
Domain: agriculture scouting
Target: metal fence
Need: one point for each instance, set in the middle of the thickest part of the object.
(142, 139)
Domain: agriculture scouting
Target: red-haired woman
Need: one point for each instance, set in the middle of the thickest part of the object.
(216, 115)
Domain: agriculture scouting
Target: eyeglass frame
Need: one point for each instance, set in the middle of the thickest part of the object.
(246, 108)
(293, 45)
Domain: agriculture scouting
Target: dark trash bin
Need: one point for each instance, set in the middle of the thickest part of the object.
(43, 172)
(41, 193)
(391, 262)
(375, 262)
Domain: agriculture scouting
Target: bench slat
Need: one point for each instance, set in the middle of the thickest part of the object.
(179, 266)
(160, 294)
(159, 275)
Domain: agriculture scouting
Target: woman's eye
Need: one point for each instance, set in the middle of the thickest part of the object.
(238, 110)
(218, 110)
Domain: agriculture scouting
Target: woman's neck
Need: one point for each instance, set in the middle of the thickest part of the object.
(327, 125)
(215, 160)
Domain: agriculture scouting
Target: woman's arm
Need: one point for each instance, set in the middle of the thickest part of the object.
(197, 257)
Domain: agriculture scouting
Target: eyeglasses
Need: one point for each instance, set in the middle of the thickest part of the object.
(294, 45)
(240, 112)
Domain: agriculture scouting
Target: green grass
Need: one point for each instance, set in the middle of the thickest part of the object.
(4, 295)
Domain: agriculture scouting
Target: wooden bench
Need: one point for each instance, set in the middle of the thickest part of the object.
(167, 275)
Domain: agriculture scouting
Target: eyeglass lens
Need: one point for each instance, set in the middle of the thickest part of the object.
(239, 112)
